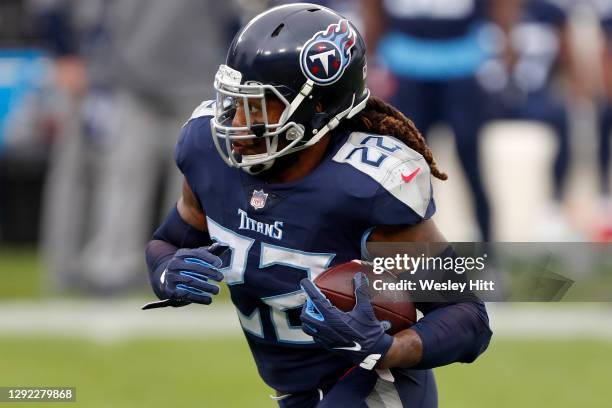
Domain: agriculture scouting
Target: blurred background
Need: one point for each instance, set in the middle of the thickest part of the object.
(514, 97)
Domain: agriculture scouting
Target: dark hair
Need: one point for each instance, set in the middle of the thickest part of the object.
(381, 118)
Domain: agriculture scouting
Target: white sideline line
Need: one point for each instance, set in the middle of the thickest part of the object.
(114, 320)
(558, 321)
(117, 320)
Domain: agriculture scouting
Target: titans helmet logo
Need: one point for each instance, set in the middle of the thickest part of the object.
(326, 55)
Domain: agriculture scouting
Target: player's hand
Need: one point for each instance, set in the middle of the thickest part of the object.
(190, 275)
(358, 334)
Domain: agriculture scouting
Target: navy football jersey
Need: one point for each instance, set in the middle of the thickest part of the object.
(281, 233)
(536, 40)
(434, 19)
(433, 39)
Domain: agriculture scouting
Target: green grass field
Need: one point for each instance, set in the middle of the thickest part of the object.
(220, 373)
(21, 273)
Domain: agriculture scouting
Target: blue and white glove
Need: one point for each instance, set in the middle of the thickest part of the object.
(187, 277)
(358, 334)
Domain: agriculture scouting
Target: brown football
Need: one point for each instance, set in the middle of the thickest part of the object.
(392, 306)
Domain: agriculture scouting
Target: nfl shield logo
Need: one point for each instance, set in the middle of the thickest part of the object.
(258, 199)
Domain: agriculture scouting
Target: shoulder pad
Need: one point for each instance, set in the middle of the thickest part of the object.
(206, 108)
(193, 141)
(400, 170)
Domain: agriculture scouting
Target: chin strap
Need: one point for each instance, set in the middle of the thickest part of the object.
(335, 121)
(303, 94)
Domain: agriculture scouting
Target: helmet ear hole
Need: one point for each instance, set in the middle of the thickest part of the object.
(319, 120)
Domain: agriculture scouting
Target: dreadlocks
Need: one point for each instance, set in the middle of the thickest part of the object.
(381, 118)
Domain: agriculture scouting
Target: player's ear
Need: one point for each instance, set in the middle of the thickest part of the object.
(319, 107)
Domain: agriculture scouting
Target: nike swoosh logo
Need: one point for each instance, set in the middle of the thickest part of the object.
(162, 278)
(356, 347)
(411, 176)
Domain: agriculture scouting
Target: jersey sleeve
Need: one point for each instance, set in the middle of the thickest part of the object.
(195, 154)
(396, 204)
(402, 192)
(193, 136)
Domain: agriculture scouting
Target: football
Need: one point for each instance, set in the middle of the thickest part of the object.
(393, 308)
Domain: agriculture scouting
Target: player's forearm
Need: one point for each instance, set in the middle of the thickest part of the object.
(406, 350)
(157, 255)
(454, 333)
(173, 233)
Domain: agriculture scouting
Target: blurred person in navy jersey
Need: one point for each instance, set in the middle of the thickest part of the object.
(604, 229)
(159, 58)
(77, 37)
(531, 78)
(425, 56)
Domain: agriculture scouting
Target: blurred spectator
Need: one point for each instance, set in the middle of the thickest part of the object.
(26, 125)
(604, 229)
(424, 57)
(606, 117)
(532, 78)
(159, 61)
(77, 35)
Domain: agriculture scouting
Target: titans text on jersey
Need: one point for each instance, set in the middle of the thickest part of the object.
(271, 230)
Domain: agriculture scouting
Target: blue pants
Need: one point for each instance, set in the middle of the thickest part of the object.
(364, 389)
(458, 103)
(542, 106)
(605, 127)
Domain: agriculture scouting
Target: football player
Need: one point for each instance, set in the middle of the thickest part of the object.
(535, 83)
(605, 12)
(295, 168)
(603, 221)
(428, 55)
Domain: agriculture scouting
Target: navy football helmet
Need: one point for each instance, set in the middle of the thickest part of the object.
(303, 54)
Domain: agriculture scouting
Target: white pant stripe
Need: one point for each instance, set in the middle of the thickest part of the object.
(384, 395)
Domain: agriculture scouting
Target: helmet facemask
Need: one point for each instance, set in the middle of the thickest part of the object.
(250, 97)
(231, 94)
